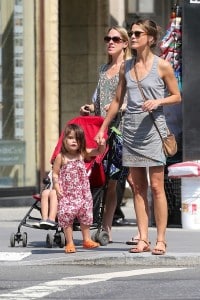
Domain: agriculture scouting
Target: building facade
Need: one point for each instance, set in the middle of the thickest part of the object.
(49, 58)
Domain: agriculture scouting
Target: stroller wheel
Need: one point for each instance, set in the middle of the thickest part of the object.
(62, 240)
(12, 239)
(24, 239)
(103, 238)
(94, 236)
(49, 240)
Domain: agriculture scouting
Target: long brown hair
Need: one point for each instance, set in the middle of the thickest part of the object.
(151, 28)
(80, 137)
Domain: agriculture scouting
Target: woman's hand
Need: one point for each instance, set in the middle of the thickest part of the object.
(86, 109)
(99, 138)
(106, 107)
(150, 105)
(102, 146)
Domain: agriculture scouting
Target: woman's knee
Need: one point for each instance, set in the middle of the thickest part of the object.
(157, 189)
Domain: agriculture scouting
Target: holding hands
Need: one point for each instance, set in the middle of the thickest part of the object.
(99, 138)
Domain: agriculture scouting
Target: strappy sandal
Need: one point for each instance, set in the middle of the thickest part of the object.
(159, 251)
(133, 241)
(90, 244)
(136, 249)
(70, 248)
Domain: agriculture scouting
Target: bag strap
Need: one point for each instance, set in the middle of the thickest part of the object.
(145, 99)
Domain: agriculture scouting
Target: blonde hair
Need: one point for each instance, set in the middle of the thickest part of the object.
(124, 35)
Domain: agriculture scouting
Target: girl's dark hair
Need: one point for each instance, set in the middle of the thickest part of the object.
(151, 28)
(79, 134)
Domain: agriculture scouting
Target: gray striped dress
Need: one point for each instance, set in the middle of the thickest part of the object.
(142, 146)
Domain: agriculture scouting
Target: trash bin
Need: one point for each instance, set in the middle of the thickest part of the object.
(189, 173)
(173, 195)
(191, 203)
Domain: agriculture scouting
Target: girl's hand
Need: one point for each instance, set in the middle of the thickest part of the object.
(150, 105)
(102, 146)
(59, 193)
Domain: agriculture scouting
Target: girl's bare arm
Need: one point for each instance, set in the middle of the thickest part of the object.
(55, 173)
(96, 151)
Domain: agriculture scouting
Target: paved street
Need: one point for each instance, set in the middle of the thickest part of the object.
(108, 272)
(183, 246)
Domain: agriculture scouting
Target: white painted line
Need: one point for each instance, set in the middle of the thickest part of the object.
(195, 1)
(47, 288)
(13, 256)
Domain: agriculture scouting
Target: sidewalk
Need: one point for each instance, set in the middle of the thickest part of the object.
(183, 246)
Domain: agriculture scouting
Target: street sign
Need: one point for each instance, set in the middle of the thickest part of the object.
(12, 152)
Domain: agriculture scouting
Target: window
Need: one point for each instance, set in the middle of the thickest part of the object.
(140, 7)
(17, 99)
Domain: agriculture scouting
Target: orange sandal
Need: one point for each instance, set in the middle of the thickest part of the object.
(89, 244)
(70, 248)
(158, 250)
(137, 249)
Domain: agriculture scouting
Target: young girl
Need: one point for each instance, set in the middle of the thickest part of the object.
(72, 185)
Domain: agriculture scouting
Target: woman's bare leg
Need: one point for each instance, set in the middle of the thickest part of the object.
(160, 203)
(110, 206)
(140, 184)
(130, 182)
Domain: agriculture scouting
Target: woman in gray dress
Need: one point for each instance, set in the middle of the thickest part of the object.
(142, 146)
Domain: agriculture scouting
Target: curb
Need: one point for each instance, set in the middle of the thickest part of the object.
(124, 258)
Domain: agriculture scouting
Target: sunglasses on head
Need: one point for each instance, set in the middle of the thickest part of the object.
(115, 39)
(137, 34)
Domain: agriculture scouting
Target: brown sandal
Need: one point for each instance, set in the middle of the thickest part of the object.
(159, 251)
(136, 249)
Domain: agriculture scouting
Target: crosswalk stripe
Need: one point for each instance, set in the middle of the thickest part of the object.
(13, 256)
(49, 287)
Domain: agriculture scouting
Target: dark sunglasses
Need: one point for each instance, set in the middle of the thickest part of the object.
(137, 34)
(115, 39)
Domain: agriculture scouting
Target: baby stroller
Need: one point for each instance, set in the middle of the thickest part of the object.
(95, 170)
(30, 221)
